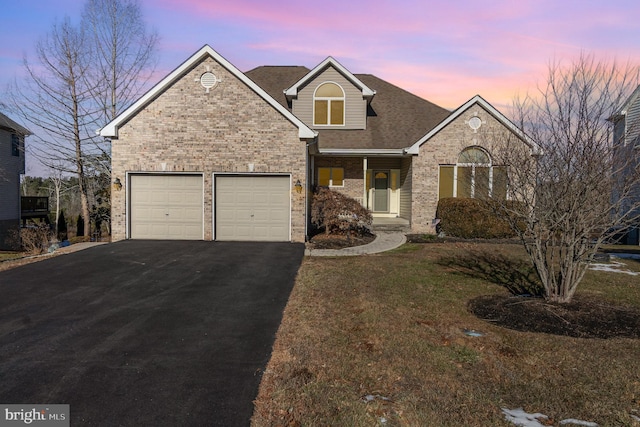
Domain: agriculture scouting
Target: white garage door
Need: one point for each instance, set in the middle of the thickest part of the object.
(166, 207)
(253, 208)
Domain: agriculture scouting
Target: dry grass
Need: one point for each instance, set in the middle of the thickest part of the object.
(391, 327)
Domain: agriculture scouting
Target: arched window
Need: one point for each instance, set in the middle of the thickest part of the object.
(473, 176)
(328, 105)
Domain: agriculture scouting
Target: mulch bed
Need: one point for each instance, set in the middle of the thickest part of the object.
(583, 317)
(333, 241)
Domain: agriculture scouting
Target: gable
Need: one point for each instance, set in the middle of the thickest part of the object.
(111, 129)
(467, 110)
(292, 91)
(355, 105)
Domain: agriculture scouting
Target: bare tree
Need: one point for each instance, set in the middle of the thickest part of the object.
(82, 78)
(56, 98)
(566, 210)
(125, 53)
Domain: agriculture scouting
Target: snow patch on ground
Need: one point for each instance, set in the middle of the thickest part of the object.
(613, 267)
(523, 419)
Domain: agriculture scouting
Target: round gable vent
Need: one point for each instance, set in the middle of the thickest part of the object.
(475, 123)
(208, 80)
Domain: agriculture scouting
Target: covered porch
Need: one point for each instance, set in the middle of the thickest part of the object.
(382, 184)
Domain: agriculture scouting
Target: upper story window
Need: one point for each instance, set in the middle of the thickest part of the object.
(328, 105)
(15, 145)
(474, 176)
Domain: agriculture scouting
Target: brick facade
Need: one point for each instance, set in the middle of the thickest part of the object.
(229, 129)
(444, 149)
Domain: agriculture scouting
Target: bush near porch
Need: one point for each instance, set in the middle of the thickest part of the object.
(472, 219)
(339, 214)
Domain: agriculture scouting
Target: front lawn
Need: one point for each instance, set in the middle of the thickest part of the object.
(389, 339)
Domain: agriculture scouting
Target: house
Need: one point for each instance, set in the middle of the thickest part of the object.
(626, 139)
(12, 165)
(213, 153)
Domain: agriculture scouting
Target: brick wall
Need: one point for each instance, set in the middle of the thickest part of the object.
(353, 174)
(443, 149)
(186, 129)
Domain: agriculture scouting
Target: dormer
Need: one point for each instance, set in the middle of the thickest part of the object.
(330, 97)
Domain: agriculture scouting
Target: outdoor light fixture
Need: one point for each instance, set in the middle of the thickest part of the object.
(117, 184)
(298, 186)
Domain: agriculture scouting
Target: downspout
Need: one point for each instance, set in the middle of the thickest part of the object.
(365, 202)
(308, 178)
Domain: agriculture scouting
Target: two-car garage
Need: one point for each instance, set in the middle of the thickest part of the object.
(249, 207)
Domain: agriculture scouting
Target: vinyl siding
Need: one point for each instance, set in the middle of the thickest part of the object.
(405, 189)
(355, 105)
(10, 169)
(633, 123)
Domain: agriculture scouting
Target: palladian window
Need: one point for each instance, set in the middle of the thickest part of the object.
(328, 105)
(474, 176)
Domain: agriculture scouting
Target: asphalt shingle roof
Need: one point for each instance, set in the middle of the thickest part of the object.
(395, 118)
(7, 123)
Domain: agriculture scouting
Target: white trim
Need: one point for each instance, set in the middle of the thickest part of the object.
(266, 174)
(128, 195)
(362, 152)
(111, 129)
(292, 92)
(535, 149)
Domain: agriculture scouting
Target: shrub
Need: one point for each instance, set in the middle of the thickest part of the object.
(62, 227)
(474, 219)
(80, 226)
(35, 240)
(339, 214)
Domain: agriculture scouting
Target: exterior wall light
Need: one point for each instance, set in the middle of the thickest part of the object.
(298, 187)
(117, 184)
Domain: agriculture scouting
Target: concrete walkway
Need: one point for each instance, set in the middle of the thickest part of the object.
(385, 241)
(78, 247)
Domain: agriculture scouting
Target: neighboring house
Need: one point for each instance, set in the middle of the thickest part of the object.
(216, 154)
(12, 164)
(626, 140)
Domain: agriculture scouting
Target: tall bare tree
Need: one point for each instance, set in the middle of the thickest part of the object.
(125, 53)
(81, 79)
(567, 210)
(56, 97)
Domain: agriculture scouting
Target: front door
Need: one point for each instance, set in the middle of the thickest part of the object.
(381, 191)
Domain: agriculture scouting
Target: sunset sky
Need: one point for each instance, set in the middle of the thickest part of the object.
(444, 51)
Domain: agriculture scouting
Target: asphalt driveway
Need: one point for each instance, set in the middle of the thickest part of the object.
(145, 332)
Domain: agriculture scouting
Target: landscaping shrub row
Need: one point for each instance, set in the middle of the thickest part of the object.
(474, 218)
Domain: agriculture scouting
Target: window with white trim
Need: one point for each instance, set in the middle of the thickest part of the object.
(473, 176)
(331, 177)
(328, 105)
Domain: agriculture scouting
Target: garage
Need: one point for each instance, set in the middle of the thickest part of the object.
(166, 206)
(252, 208)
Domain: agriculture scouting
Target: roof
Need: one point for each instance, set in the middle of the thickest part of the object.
(111, 129)
(622, 111)
(292, 91)
(414, 149)
(395, 118)
(8, 124)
